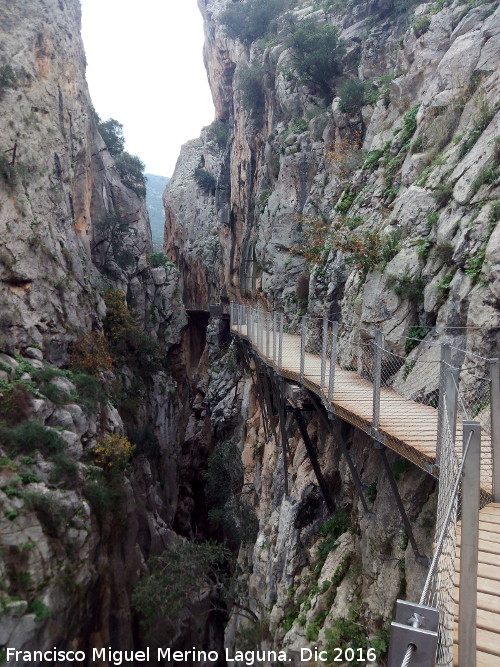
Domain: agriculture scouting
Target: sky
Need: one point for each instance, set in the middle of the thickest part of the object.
(145, 69)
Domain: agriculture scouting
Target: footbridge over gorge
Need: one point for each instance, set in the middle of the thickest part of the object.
(438, 406)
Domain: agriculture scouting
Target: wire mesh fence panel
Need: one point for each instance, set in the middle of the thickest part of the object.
(441, 592)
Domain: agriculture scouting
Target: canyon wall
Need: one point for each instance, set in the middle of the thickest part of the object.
(369, 196)
(98, 370)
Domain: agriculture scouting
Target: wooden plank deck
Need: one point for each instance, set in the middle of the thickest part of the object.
(410, 429)
(488, 586)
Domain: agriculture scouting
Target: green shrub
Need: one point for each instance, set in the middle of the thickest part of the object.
(49, 510)
(90, 391)
(346, 200)
(444, 251)
(352, 95)
(218, 132)
(250, 82)
(474, 265)
(206, 181)
(103, 493)
(407, 286)
(316, 51)
(415, 335)
(444, 287)
(131, 170)
(40, 610)
(252, 20)
(112, 133)
(65, 469)
(409, 125)
(176, 579)
(29, 436)
(373, 158)
(442, 194)
(8, 79)
(330, 531)
(421, 25)
(158, 259)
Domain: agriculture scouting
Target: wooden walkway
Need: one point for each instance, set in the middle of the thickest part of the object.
(410, 429)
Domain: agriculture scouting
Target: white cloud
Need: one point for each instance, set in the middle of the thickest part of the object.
(145, 69)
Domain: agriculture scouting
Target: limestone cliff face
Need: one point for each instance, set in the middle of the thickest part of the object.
(386, 204)
(74, 541)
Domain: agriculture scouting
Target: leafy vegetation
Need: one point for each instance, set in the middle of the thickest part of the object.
(330, 531)
(353, 95)
(407, 286)
(421, 25)
(415, 335)
(206, 181)
(218, 131)
(224, 482)
(252, 20)
(178, 580)
(8, 79)
(250, 80)
(130, 167)
(113, 451)
(317, 51)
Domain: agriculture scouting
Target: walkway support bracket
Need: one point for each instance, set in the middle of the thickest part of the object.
(420, 558)
(469, 545)
(343, 448)
(314, 459)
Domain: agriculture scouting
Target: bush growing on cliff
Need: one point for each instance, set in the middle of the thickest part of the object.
(131, 170)
(352, 95)
(112, 133)
(8, 79)
(251, 86)
(130, 167)
(206, 181)
(316, 51)
(252, 20)
(186, 580)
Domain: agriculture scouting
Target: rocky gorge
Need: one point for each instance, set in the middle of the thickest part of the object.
(351, 172)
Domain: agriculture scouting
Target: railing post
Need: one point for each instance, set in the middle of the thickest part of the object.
(495, 425)
(445, 363)
(469, 543)
(377, 379)
(268, 332)
(323, 353)
(333, 361)
(303, 332)
(275, 333)
(231, 315)
(247, 321)
(280, 350)
(260, 330)
(451, 399)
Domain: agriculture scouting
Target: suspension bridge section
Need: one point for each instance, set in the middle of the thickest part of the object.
(437, 405)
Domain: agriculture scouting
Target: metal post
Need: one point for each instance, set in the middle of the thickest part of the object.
(231, 315)
(275, 333)
(238, 321)
(495, 425)
(469, 543)
(280, 350)
(377, 379)
(445, 363)
(268, 334)
(451, 399)
(323, 353)
(303, 331)
(259, 332)
(247, 320)
(333, 361)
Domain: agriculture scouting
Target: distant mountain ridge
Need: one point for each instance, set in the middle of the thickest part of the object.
(154, 191)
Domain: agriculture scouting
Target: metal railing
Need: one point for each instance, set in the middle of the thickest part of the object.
(360, 379)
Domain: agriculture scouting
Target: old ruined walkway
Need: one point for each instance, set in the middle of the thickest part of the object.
(407, 405)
